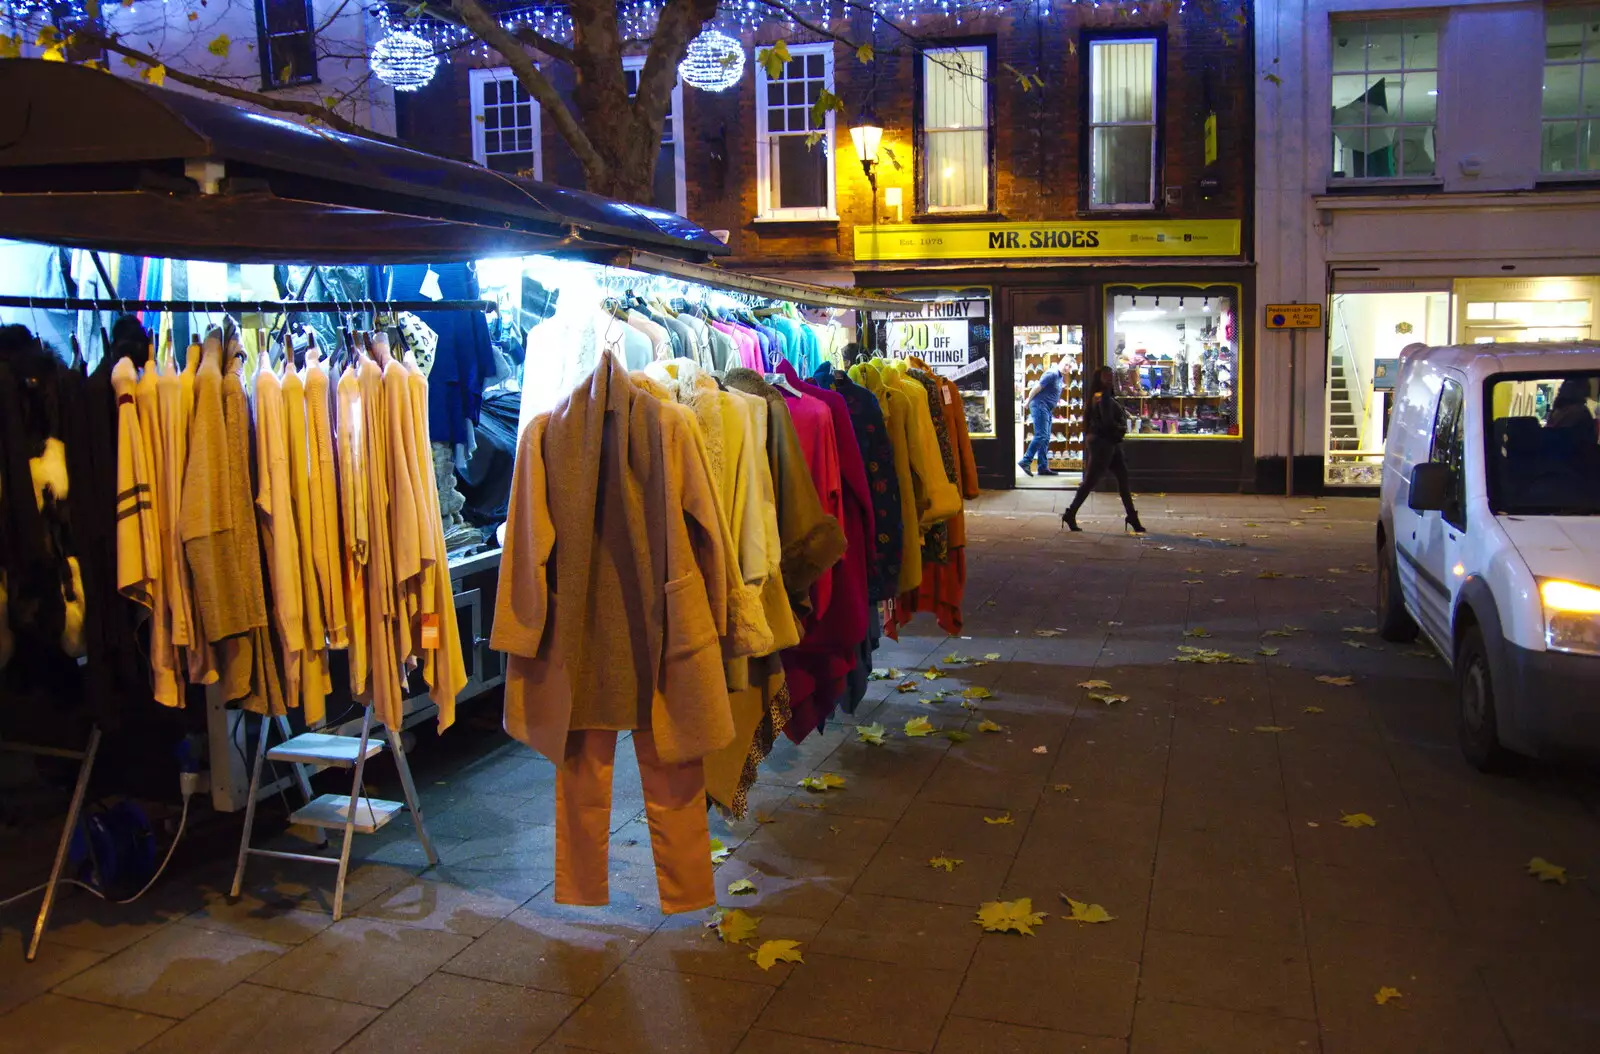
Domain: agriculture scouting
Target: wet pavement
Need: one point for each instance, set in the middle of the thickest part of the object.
(1205, 812)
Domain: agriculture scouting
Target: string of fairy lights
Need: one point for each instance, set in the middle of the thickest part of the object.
(411, 44)
(414, 41)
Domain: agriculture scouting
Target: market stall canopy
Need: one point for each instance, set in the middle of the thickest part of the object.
(760, 285)
(96, 161)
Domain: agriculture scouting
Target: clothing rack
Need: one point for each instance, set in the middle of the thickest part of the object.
(202, 307)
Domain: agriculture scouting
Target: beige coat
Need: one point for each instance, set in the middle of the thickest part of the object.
(610, 607)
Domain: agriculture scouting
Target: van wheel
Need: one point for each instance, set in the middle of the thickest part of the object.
(1480, 736)
(1394, 623)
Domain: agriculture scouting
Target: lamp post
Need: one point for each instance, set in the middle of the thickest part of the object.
(866, 134)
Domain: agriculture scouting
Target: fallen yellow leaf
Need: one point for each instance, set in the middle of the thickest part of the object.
(1094, 684)
(1358, 629)
(1045, 633)
(1198, 631)
(741, 887)
(1357, 819)
(870, 734)
(1009, 916)
(220, 46)
(954, 659)
(733, 926)
(1000, 820)
(825, 782)
(1061, 788)
(977, 691)
(1383, 995)
(1041, 749)
(765, 817)
(1108, 699)
(1343, 680)
(1273, 728)
(906, 686)
(991, 656)
(944, 863)
(1311, 710)
(1268, 652)
(1193, 582)
(1270, 574)
(1083, 912)
(918, 727)
(989, 726)
(719, 852)
(1214, 700)
(1545, 871)
(773, 952)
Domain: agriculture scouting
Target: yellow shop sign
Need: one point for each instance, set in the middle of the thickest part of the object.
(1079, 239)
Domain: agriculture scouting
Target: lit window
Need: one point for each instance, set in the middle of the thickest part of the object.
(1570, 134)
(505, 124)
(287, 38)
(1123, 111)
(1385, 99)
(670, 186)
(955, 128)
(794, 163)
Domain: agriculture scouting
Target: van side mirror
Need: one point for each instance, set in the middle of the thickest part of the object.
(1430, 487)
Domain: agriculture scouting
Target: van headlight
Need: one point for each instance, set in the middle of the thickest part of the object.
(1571, 616)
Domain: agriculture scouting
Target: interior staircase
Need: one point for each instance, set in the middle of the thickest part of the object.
(1343, 433)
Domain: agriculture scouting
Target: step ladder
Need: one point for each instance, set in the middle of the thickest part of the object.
(354, 813)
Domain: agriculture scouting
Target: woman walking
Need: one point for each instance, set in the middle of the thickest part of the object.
(1106, 422)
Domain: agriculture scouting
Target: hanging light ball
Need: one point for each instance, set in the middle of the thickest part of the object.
(714, 62)
(404, 61)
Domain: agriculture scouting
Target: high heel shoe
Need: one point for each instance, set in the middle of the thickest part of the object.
(1070, 519)
(1132, 524)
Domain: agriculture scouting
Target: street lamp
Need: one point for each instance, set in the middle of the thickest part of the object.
(866, 134)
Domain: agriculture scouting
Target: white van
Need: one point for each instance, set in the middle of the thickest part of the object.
(1489, 539)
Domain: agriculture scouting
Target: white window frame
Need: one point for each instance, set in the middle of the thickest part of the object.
(1154, 124)
(764, 209)
(1587, 67)
(476, 79)
(1377, 18)
(930, 55)
(674, 125)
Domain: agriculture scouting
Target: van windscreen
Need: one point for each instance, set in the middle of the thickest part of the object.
(1543, 444)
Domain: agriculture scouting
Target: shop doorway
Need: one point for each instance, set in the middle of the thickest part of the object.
(1050, 333)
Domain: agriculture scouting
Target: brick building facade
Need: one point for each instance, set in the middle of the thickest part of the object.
(1185, 242)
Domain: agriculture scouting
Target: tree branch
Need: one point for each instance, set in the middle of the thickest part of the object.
(492, 33)
(526, 34)
(678, 22)
(266, 102)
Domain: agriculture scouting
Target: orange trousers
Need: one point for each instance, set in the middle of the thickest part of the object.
(674, 804)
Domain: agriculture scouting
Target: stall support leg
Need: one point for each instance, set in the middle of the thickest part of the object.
(79, 792)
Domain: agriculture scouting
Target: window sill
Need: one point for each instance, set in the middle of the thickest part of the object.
(975, 216)
(1383, 186)
(796, 221)
(1566, 180)
(1101, 212)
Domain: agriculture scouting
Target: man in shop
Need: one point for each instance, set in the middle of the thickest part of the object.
(1041, 402)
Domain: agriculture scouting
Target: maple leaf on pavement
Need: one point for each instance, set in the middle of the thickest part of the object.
(989, 726)
(818, 784)
(918, 727)
(1384, 995)
(1084, 912)
(1002, 819)
(741, 887)
(977, 692)
(870, 734)
(1009, 916)
(1094, 684)
(1342, 681)
(719, 852)
(1357, 819)
(734, 926)
(773, 952)
(944, 863)
(1545, 871)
